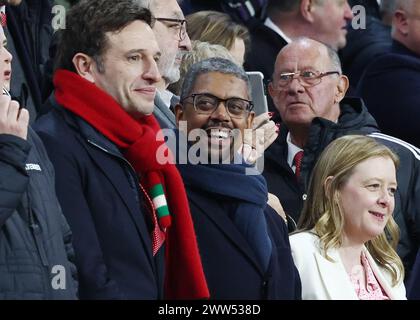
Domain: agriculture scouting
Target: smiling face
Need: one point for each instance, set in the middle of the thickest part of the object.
(219, 125)
(129, 68)
(367, 199)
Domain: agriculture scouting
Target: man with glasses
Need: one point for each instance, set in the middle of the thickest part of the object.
(171, 34)
(308, 90)
(242, 241)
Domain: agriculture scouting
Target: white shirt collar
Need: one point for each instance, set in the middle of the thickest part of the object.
(3, 9)
(166, 97)
(291, 151)
(270, 24)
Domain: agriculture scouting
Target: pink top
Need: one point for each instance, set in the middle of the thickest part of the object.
(373, 290)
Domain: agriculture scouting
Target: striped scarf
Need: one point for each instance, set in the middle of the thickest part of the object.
(184, 276)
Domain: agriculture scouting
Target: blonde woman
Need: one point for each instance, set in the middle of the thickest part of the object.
(345, 246)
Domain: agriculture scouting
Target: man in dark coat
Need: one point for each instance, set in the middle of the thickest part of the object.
(308, 90)
(36, 253)
(101, 138)
(390, 86)
(243, 242)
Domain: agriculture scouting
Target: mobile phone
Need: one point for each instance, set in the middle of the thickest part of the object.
(259, 98)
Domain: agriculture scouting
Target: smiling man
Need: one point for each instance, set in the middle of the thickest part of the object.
(101, 139)
(229, 208)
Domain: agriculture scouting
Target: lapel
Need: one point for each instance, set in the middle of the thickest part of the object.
(162, 113)
(334, 277)
(108, 160)
(226, 226)
(381, 277)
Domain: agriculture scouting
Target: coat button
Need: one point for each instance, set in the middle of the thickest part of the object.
(304, 197)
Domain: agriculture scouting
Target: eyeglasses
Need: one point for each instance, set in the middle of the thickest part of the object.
(307, 78)
(205, 103)
(176, 24)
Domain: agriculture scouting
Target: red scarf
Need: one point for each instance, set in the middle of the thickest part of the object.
(184, 276)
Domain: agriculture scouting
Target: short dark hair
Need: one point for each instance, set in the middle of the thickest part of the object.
(86, 25)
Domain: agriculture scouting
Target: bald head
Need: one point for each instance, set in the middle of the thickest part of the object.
(406, 24)
(300, 100)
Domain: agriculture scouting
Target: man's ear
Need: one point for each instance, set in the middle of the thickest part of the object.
(400, 22)
(179, 113)
(250, 120)
(342, 87)
(84, 65)
(306, 9)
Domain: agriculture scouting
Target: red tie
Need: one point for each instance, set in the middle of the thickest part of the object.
(297, 160)
(3, 19)
(158, 236)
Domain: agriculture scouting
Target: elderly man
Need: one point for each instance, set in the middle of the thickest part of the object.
(171, 35)
(322, 20)
(101, 137)
(308, 90)
(229, 207)
(390, 85)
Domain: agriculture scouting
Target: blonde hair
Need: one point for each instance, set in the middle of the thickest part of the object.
(215, 27)
(322, 212)
(199, 51)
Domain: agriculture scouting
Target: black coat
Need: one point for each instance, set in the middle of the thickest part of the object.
(35, 239)
(230, 265)
(100, 197)
(354, 119)
(391, 90)
(30, 26)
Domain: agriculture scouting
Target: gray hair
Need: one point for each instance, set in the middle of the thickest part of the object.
(286, 5)
(216, 64)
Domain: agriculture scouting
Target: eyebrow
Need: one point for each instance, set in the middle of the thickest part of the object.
(158, 53)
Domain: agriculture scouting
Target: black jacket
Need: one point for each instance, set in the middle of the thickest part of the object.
(30, 26)
(354, 119)
(229, 263)
(99, 193)
(35, 239)
(390, 88)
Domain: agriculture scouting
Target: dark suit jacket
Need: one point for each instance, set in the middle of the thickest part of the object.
(391, 90)
(262, 54)
(98, 192)
(230, 265)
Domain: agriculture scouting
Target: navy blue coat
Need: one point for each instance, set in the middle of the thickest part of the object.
(390, 88)
(230, 265)
(99, 194)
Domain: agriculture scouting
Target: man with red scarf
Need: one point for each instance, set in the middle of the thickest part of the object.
(133, 233)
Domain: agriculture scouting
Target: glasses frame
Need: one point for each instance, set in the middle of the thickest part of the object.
(301, 81)
(194, 95)
(183, 28)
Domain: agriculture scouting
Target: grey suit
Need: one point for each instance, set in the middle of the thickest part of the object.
(163, 114)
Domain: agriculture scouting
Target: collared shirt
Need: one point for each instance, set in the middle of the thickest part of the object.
(270, 24)
(291, 152)
(166, 97)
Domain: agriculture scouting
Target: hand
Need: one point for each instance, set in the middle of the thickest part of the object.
(13, 120)
(256, 141)
(274, 203)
